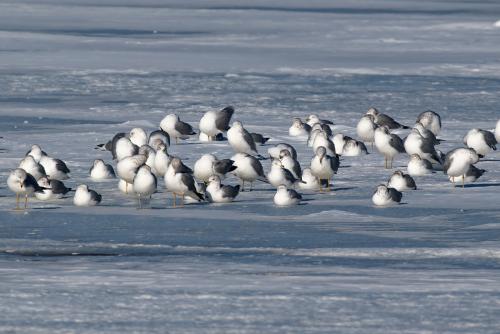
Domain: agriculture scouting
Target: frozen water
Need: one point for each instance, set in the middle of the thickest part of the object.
(73, 73)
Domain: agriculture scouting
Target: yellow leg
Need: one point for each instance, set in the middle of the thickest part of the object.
(26, 201)
(175, 200)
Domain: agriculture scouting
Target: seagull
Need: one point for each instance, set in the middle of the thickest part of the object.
(158, 135)
(291, 164)
(481, 141)
(431, 121)
(208, 165)
(339, 142)
(240, 139)
(366, 129)
(179, 181)
(458, 161)
(324, 166)
(85, 196)
(138, 137)
(162, 160)
(324, 128)
(145, 183)
(286, 197)
(401, 181)
(309, 181)
(258, 138)
(248, 168)
(415, 143)
(354, 148)
(150, 153)
(32, 167)
(53, 189)
(322, 140)
(214, 122)
(497, 131)
(418, 166)
(427, 134)
(389, 145)
(204, 138)
(385, 196)
(384, 120)
(176, 128)
(36, 152)
(127, 168)
(279, 175)
(111, 145)
(55, 169)
(312, 136)
(22, 183)
(313, 119)
(274, 152)
(299, 128)
(124, 148)
(124, 188)
(217, 193)
(472, 174)
(101, 171)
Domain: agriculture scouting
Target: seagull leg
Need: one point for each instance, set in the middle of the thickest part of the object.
(126, 187)
(17, 201)
(175, 200)
(328, 185)
(243, 185)
(463, 181)
(182, 205)
(251, 185)
(392, 159)
(26, 201)
(385, 162)
(319, 182)
(176, 140)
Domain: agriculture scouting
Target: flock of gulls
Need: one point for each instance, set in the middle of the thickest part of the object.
(142, 159)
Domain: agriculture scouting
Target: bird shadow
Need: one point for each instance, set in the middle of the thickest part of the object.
(489, 160)
(46, 208)
(481, 185)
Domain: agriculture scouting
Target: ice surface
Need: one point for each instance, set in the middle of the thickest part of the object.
(73, 73)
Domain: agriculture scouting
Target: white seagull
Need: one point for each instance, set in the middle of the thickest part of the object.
(248, 168)
(240, 139)
(366, 129)
(384, 196)
(418, 166)
(179, 181)
(286, 197)
(384, 120)
(145, 183)
(32, 167)
(389, 145)
(214, 122)
(324, 166)
(22, 184)
(209, 165)
(401, 181)
(176, 128)
(217, 193)
(299, 128)
(85, 196)
(279, 175)
(162, 160)
(458, 161)
(481, 141)
(431, 121)
(127, 168)
(138, 137)
(101, 171)
(53, 189)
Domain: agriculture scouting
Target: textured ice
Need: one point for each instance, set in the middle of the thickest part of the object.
(73, 73)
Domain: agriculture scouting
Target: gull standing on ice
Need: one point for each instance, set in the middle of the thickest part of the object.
(162, 160)
(124, 148)
(248, 168)
(217, 193)
(458, 161)
(324, 166)
(179, 181)
(418, 166)
(299, 128)
(481, 141)
(290, 163)
(53, 189)
(366, 129)
(415, 143)
(209, 165)
(279, 175)
(389, 145)
(214, 122)
(176, 128)
(385, 196)
(86, 197)
(240, 139)
(384, 120)
(138, 137)
(286, 197)
(274, 152)
(101, 171)
(145, 183)
(32, 167)
(22, 183)
(431, 121)
(472, 174)
(160, 135)
(401, 181)
(127, 168)
(55, 169)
